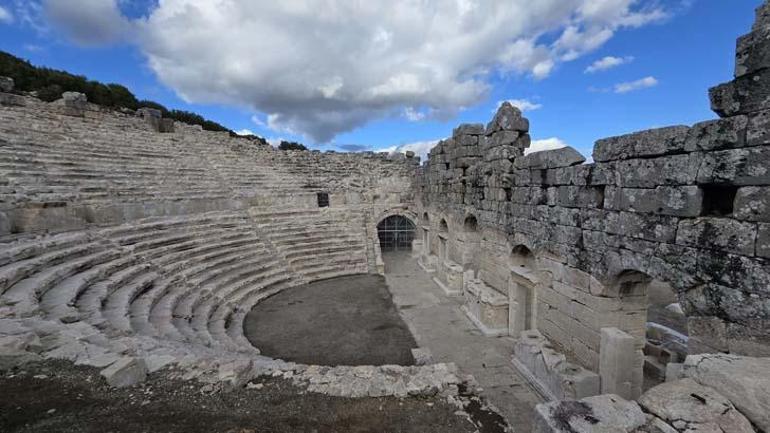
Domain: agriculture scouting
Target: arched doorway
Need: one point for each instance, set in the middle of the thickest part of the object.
(396, 233)
(522, 296)
(470, 243)
(654, 317)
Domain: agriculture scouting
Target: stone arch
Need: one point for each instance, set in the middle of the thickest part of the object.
(649, 311)
(396, 232)
(471, 224)
(524, 280)
(470, 242)
(374, 235)
(443, 227)
(521, 256)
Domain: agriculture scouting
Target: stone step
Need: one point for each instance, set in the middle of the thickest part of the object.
(320, 257)
(18, 270)
(229, 322)
(301, 250)
(25, 294)
(91, 303)
(28, 248)
(192, 303)
(116, 306)
(59, 302)
(166, 308)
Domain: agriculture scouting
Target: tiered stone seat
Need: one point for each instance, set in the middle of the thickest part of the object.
(187, 278)
(317, 244)
(119, 241)
(97, 161)
(180, 279)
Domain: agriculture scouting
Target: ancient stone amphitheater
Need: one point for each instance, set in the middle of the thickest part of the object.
(132, 245)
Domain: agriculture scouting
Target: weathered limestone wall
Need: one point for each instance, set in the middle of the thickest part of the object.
(688, 206)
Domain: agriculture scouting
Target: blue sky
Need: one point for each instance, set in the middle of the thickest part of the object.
(675, 56)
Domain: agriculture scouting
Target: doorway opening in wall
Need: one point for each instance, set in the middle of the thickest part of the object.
(662, 321)
(522, 263)
(471, 225)
(396, 233)
(471, 244)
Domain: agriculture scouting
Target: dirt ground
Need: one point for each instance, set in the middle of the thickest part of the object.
(55, 396)
(342, 321)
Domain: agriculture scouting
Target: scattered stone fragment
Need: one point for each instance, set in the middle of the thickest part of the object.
(125, 372)
(601, 413)
(694, 406)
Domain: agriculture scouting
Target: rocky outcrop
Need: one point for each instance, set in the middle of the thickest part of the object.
(6, 84)
(74, 100)
(689, 406)
(745, 381)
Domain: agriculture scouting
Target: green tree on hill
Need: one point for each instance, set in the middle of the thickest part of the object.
(49, 84)
(291, 145)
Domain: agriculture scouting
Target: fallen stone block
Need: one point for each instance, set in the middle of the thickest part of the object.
(422, 356)
(689, 406)
(601, 413)
(127, 371)
(744, 380)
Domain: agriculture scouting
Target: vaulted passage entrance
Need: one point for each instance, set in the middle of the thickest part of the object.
(396, 233)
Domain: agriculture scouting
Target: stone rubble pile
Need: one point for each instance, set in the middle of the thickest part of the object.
(718, 393)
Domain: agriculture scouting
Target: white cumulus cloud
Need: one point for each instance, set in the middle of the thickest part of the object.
(630, 86)
(521, 104)
(545, 144)
(5, 16)
(413, 115)
(323, 67)
(608, 62)
(88, 22)
(420, 148)
(245, 131)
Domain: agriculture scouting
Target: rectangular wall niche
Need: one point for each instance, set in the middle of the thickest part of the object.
(718, 199)
(323, 199)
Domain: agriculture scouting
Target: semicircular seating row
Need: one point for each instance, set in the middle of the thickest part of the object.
(185, 279)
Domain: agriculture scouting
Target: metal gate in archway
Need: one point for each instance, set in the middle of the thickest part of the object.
(396, 233)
